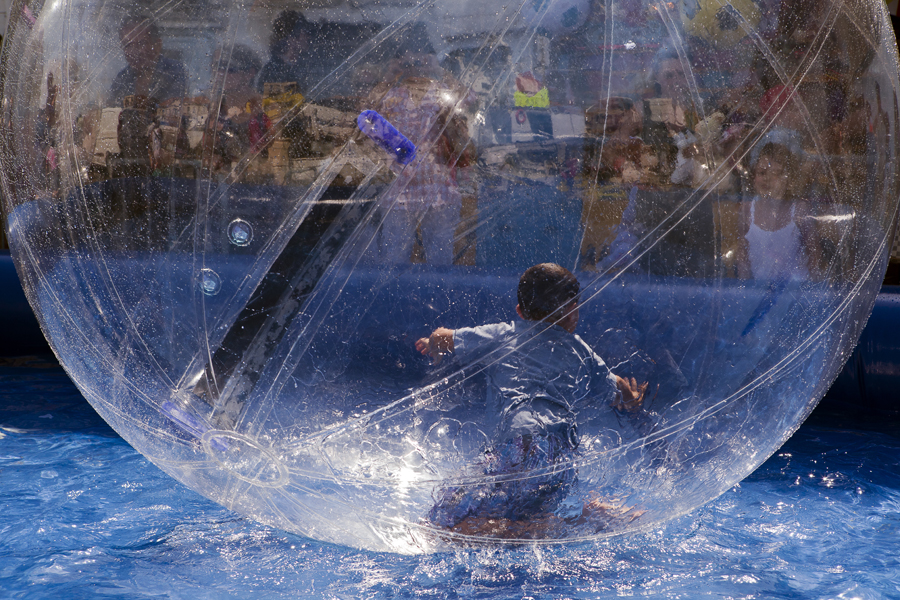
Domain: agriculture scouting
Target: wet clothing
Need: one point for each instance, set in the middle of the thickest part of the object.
(538, 375)
(499, 493)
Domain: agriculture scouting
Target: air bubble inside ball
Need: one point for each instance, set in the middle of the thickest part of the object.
(236, 274)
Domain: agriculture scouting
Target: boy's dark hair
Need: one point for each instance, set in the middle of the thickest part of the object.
(544, 289)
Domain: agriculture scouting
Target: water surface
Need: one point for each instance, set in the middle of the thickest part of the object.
(84, 516)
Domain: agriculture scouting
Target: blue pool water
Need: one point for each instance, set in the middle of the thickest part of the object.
(82, 515)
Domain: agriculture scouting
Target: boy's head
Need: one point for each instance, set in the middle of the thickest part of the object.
(545, 290)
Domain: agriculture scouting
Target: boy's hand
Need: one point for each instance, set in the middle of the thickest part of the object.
(437, 345)
(632, 394)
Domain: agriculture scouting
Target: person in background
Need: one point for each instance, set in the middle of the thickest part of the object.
(290, 41)
(779, 235)
(236, 128)
(148, 74)
(427, 105)
(154, 143)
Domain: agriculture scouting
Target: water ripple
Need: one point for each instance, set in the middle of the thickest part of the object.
(85, 517)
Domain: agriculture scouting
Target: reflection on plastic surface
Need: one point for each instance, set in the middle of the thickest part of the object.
(242, 276)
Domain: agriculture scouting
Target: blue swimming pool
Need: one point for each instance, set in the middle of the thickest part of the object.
(85, 516)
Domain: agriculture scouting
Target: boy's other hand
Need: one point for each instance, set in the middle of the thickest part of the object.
(437, 345)
(632, 394)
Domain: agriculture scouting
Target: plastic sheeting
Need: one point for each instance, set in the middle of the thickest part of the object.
(235, 275)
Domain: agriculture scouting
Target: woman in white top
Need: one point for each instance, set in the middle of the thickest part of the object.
(778, 238)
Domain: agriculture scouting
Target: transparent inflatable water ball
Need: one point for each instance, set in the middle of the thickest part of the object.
(404, 276)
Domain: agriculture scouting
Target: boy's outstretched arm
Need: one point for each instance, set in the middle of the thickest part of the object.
(437, 345)
(632, 394)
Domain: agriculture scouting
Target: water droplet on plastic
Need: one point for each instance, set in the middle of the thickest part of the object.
(240, 232)
(210, 282)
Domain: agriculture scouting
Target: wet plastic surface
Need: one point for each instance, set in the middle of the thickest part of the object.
(234, 274)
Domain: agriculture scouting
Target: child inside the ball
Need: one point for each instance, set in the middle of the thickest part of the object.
(540, 374)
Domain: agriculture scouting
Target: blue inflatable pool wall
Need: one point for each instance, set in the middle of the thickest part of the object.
(868, 383)
(20, 333)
